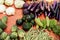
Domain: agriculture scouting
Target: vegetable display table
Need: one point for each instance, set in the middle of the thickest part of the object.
(12, 19)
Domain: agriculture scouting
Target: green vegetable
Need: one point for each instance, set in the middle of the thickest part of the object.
(37, 26)
(3, 35)
(1, 30)
(53, 22)
(13, 35)
(43, 36)
(56, 29)
(44, 22)
(4, 19)
(14, 28)
(7, 38)
(32, 22)
(16, 38)
(1, 39)
(19, 21)
(38, 22)
(28, 18)
(35, 34)
(47, 20)
(24, 18)
(21, 33)
(2, 25)
(27, 26)
(31, 34)
(32, 15)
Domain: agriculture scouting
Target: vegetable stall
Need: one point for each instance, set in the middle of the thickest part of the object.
(29, 20)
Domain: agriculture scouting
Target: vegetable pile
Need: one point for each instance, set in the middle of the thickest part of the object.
(31, 19)
(50, 24)
(37, 35)
(52, 11)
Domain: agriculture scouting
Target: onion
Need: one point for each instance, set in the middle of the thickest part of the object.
(19, 3)
(10, 11)
(9, 2)
(2, 8)
(1, 1)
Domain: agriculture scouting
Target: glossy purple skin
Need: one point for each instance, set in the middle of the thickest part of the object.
(25, 11)
(30, 6)
(34, 7)
(55, 2)
(25, 5)
(59, 17)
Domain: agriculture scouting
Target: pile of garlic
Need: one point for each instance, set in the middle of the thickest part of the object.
(10, 10)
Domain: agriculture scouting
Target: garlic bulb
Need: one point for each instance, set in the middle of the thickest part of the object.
(10, 11)
(19, 3)
(2, 8)
(1, 1)
(9, 2)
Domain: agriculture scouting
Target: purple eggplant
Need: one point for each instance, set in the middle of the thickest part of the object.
(30, 6)
(37, 11)
(54, 4)
(25, 5)
(59, 17)
(38, 8)
(25, 11)
(42, 6)
(34, 7)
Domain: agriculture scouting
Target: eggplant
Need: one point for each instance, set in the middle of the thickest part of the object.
(55, 4)
(53, 12)
(59, 17)
(49, 15)
(58, 14)
(30, 6)
(42, 6)
(59, 10)
(38, 10)
(25, 5)
(34, 7)
(25, 12)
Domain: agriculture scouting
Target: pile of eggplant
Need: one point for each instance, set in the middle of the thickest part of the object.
(52, 11)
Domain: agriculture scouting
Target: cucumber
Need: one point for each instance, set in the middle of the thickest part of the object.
(4, 19)
(2, 25)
